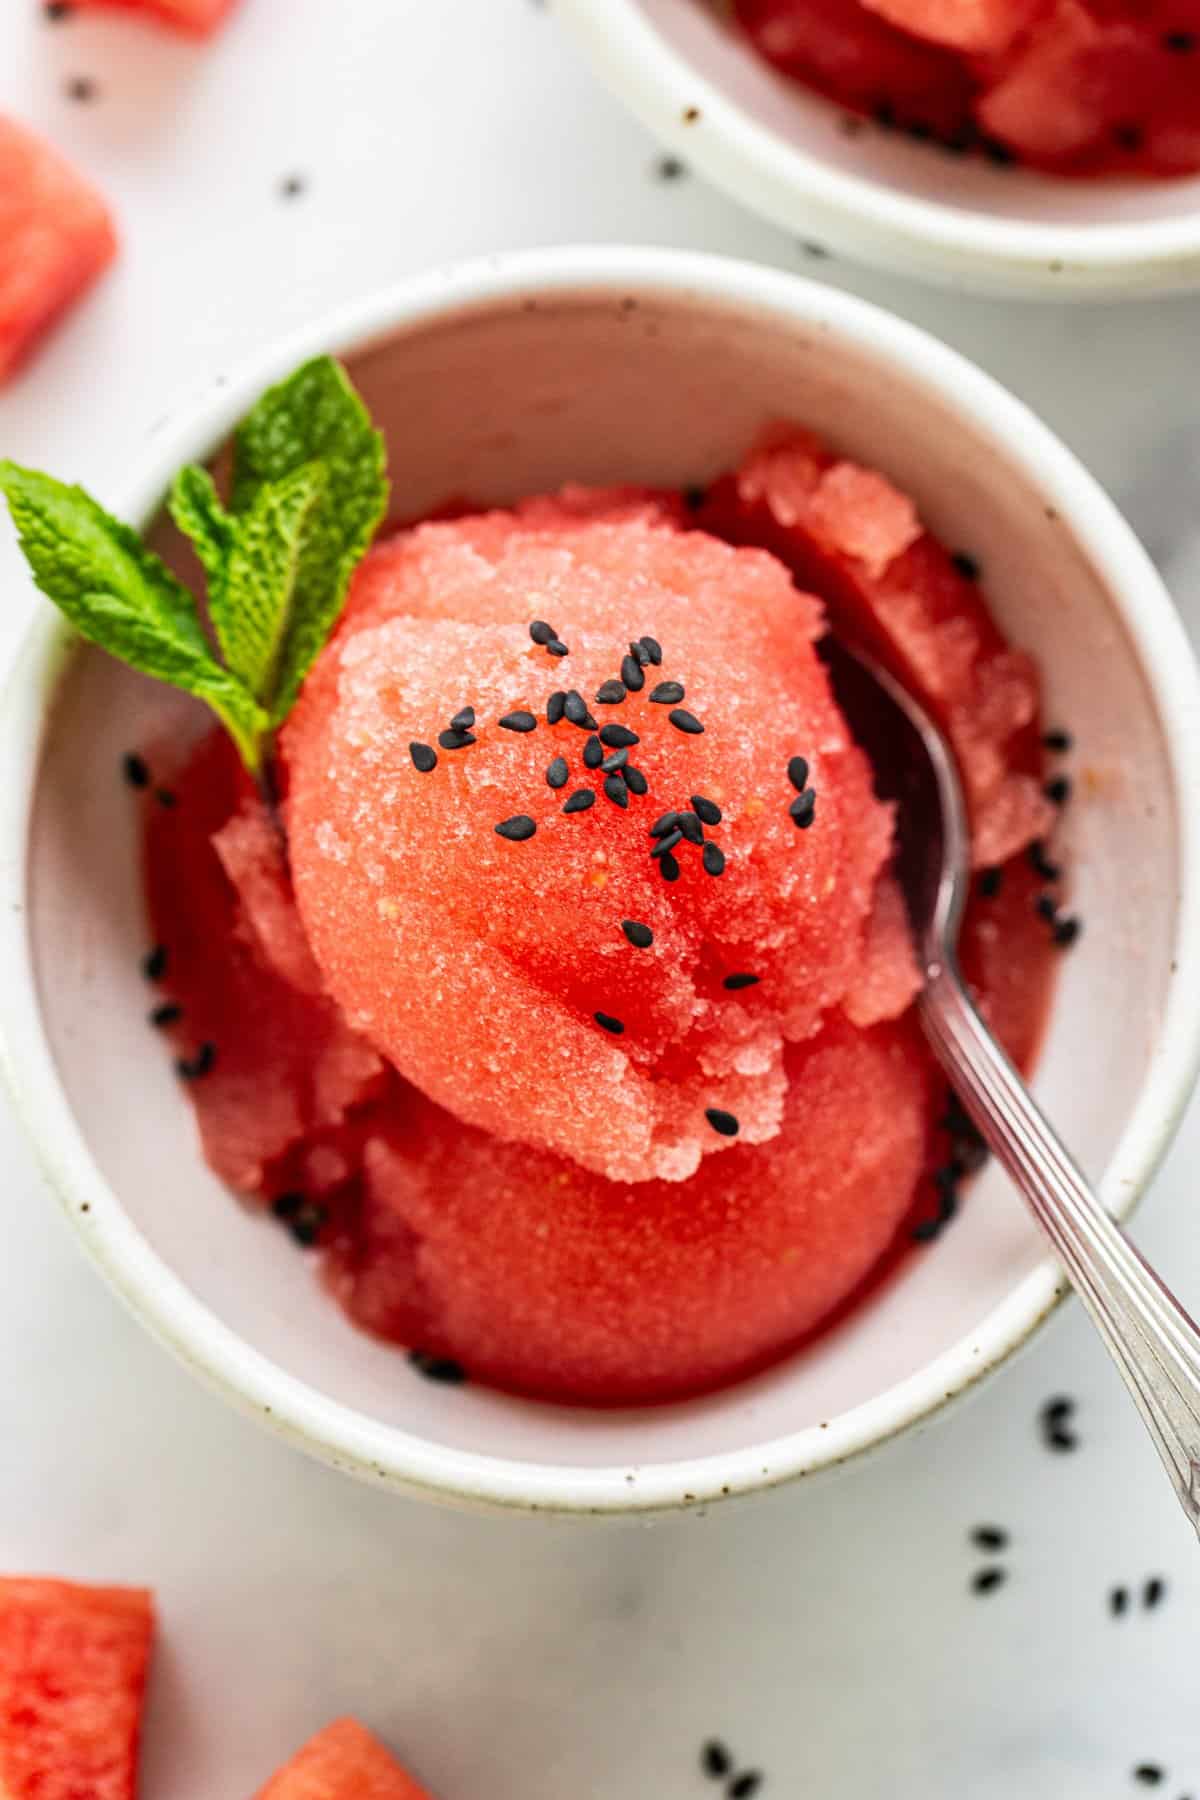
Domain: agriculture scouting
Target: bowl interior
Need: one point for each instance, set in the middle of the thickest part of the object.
(498, 399)
(702, 35)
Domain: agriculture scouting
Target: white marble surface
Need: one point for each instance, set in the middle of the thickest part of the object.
(828, 1634)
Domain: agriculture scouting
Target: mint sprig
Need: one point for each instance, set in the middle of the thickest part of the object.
(308, 492)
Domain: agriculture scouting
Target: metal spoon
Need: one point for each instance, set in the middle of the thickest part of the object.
(1152, 1340)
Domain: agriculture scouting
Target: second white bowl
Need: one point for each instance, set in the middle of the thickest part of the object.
(780, 149)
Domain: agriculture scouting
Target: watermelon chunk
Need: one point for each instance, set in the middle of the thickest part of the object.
(199, 18)
(343, 1762)
(73, 1664)
(56, 236)
(861, 60)
(894, 587)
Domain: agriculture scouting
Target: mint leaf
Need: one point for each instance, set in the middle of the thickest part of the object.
(195, 507)
(252, 598)
(314, 416)
(119, 595)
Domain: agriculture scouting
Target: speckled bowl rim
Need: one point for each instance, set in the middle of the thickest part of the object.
(868, 219)
(338, 1434)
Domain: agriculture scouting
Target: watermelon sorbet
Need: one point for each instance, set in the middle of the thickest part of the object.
(1076, 87)
(564, 1002)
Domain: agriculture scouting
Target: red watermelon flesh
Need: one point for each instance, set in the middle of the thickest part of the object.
(56, 236)
(73, 1664)
(849, 535)
(1077, 87)
(286, 1066)
(455, 951)
(861, 60)
(343, 1762)
(196, 17)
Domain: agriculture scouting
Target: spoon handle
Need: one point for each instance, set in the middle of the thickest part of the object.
(1153, 1341)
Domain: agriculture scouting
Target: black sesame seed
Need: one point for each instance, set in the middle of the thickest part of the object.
(193, 1068)
(920, 131)
(685, 721)
(694, 498)
(987, 1580)
(307, 1222)
(798, 773)
(556, 705)
(1058, 742)
(884, 115)
(580, 801)
(735, 983)
(635, 781)
(668, 868)
(557, 773)
(463, 720)
(632, 675)
(82, 88)
(803, 809)
(518, 721)
(154, 963)
(577, 712)
(947, 1178)
(1181, 43)
(1058, 1409)
(691, 828)
(606, 1022)
(1062, 1440)
(556, 647)
(966, 565)
(169, 1013)
(1046, 907)
(1118, 1602)
(1149, 1774)
(744, 1786)
(455, 740)
(927, 1230)
(612, 693)
(989, 1537)
(438, 1368)
(723, 1123)
(57, 10)
(1066, 931)
(640, 936)
(292, 186)
(166, 798)
(616, 759)
(1058, 791)
(997, 152)
(541, 633)
(1154, 1592)
(517, 829)
(652, 649)
(1129, 136)
(706, 810)
(593, 753)
(616, 791)
(667, 693)
(665, 822)
(666, 844)
(1041, 864)
(638, 654)
(670, 168)
(713, 860)
(134, 769)
(286, 1206)
(715, 1760)
(989, 883)
(424, 758)
(616, 737)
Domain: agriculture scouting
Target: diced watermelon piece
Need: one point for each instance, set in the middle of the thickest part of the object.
(199, 18)
(863, 61)
(343, 1762)
(286, 1065)
(899, 592)
(971, 25)
(73, 1664)
(56, 236)
(1095, 92)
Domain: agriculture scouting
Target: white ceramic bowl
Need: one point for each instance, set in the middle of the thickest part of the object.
(602, 365)
(776, 147)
